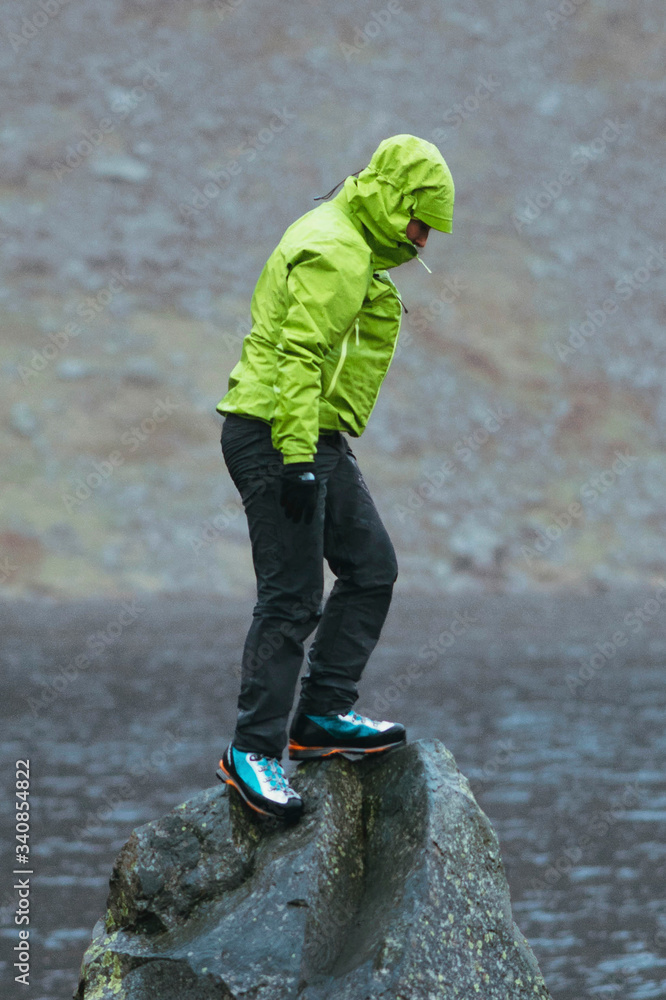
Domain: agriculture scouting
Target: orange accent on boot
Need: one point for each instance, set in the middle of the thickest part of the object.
(230, 781)
(331, 750)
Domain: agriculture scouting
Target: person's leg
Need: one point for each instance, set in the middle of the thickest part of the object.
(359, 551)
(288, 562)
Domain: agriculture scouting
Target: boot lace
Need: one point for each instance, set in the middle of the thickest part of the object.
(361, 719)
(272, 768)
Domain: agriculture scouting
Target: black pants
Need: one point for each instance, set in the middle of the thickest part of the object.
(288, 561)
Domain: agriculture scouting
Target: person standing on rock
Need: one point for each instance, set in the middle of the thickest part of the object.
(325, 323)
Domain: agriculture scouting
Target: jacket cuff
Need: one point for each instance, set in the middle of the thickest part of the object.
(290, 459)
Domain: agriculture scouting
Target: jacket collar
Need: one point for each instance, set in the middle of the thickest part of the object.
(385, 252)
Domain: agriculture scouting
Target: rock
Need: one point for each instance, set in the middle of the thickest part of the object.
(391, 886)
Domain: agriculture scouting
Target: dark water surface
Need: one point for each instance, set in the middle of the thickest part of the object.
(569, 768)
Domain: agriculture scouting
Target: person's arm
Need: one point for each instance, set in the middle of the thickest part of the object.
(325, 292)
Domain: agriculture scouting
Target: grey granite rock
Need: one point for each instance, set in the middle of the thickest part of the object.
(390, 886)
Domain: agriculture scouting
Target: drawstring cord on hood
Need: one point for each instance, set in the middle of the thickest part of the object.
(324, 197)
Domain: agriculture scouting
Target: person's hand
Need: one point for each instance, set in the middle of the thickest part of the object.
(298, 491)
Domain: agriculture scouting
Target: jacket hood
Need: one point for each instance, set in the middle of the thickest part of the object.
(406, 178)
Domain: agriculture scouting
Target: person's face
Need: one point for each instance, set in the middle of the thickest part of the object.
(417, 232)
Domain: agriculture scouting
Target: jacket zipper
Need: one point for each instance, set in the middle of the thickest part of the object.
(343, 355)
(345, 339)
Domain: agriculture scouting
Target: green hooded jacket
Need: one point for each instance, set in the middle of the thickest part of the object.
(325, 313)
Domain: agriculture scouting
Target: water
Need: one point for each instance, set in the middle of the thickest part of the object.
(571, 775)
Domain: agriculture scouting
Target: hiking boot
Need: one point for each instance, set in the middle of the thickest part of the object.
(350, 734)
(261, 782)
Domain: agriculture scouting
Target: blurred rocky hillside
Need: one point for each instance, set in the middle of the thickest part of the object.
(152, 153)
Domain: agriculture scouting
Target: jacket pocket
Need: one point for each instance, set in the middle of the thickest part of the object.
(343, 355)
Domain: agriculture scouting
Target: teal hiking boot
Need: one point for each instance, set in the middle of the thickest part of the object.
(350, 734)
(261, 782)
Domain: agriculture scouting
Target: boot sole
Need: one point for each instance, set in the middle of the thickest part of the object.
(298, 752)
(228, 779)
